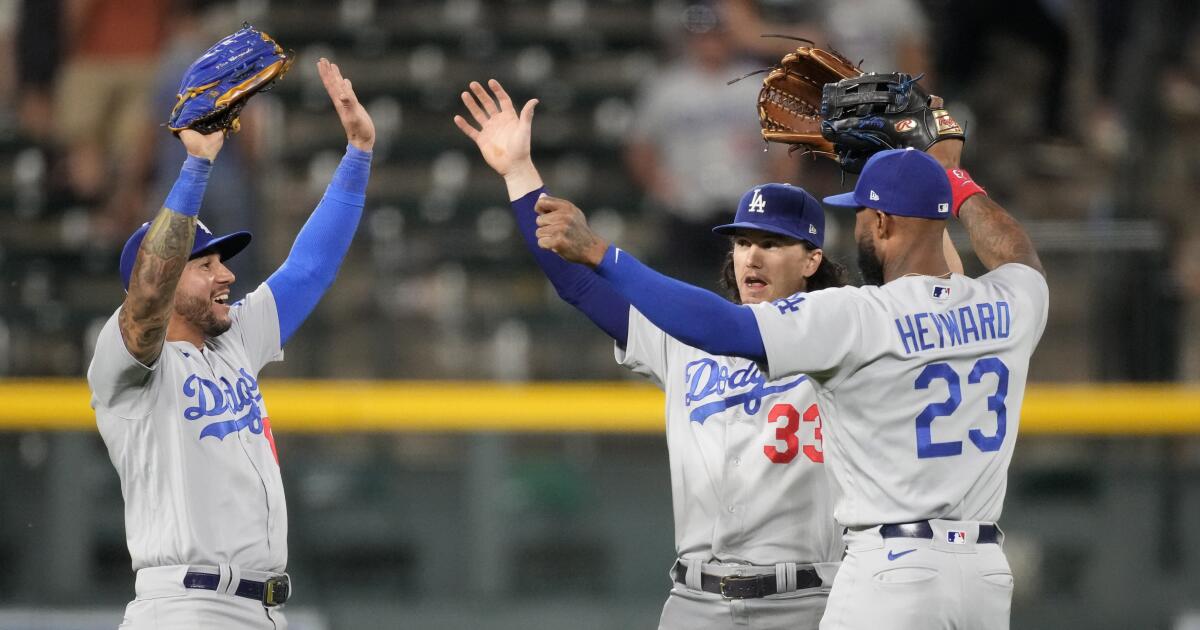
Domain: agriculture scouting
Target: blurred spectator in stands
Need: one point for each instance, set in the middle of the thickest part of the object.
(885, 35)
(1163, 34)
(695, 145)
(37, 53)
(749, 20)
(194, 25)
(102, 93)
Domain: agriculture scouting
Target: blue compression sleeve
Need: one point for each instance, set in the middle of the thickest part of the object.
(699, 318)
(321, 245)
(188, 191)
(576, 284)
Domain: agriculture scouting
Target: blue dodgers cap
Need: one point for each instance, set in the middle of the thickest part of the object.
(227, 246)
(903, 182)
(779, 209)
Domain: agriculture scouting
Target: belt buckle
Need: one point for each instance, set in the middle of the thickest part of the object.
(276, 590)
(741, 586)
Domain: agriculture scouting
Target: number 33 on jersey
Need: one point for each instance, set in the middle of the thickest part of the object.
(747, 454)
(789, 419)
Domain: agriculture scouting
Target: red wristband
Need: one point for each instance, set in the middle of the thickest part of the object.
(961, 187)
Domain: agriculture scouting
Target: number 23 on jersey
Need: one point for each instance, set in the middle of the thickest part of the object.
(926, 446)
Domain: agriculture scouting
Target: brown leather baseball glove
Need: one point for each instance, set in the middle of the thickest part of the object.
(789, 104)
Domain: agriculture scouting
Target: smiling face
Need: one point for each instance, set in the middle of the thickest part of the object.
(202, 296)
(770, 266)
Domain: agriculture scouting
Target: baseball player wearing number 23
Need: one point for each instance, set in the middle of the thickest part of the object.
(920, 379)
(174, 384)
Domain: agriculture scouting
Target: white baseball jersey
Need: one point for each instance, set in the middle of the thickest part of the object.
(747, 479)
(921, 381)
(191, 441)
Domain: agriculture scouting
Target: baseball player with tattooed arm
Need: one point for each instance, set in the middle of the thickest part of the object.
(920, 381)
(174, 385)
(755, 536)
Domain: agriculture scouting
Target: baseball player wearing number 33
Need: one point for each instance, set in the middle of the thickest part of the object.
(754, 531)
(174, 385)
(920, 380)
(755, 536)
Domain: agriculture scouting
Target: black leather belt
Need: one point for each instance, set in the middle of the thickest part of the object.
(273, 592)
(746, 586)
(988, 533)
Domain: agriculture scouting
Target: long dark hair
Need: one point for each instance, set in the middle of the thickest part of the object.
(830, 273)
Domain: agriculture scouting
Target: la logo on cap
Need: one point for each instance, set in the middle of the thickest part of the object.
(757, 204)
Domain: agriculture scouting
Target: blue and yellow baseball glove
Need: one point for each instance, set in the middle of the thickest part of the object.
(218, 84)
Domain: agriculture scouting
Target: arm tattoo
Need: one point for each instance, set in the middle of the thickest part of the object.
(156, 272)
(996, 236)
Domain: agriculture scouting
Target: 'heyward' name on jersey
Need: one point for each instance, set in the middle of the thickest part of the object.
(966, 324)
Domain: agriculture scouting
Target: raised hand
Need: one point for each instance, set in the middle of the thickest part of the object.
(503, 135)
(564, 230)
(360, 130)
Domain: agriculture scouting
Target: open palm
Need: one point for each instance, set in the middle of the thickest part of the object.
(503, 134)
(360, 130)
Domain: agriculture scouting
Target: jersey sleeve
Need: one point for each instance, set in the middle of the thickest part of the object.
(645, 350)
(256, 326)
(120, 384)
(816, 333)
(1028, 287)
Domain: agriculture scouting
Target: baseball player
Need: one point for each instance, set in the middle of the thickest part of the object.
(756, 541)
(920, 381)
(174, 384)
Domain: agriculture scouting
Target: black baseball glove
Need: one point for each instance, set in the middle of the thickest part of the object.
(875, 112)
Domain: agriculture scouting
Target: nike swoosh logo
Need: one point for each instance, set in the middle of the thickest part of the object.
(892, 555)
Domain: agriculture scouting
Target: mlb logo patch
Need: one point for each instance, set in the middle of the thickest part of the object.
(941, 292)
(943, 208)
(956, 537)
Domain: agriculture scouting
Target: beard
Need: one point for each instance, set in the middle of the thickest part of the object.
(869, 264)
(199, 313)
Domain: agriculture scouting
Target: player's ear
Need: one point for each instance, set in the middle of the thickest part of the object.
(885, 225)
(813, 261)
